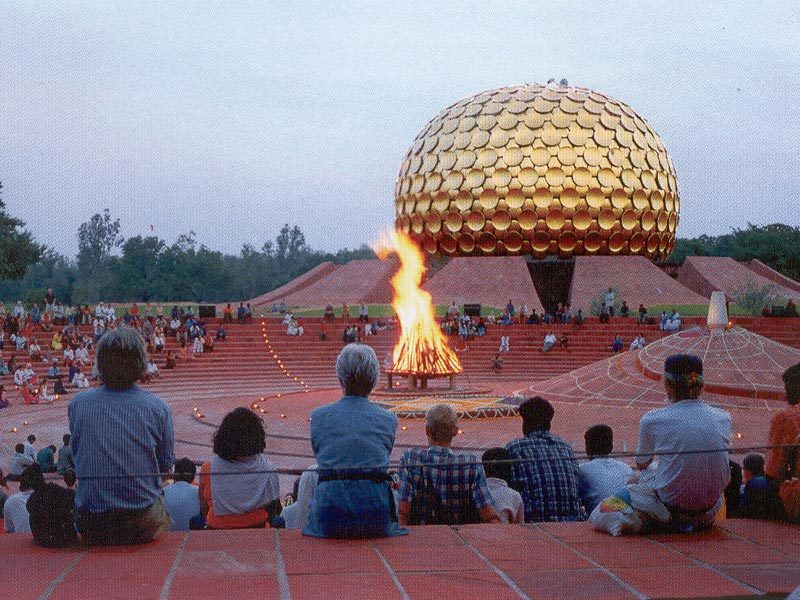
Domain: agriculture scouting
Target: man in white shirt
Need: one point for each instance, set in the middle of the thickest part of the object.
(549, 342)
(602, 475)
(507, 502)
(30, 450)
(15, 510)
(181, 497)
(18, 462)
(690, 485)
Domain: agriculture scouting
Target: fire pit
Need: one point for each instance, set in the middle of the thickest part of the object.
(422, 352)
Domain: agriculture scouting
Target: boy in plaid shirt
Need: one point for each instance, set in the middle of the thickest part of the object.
(451, 488)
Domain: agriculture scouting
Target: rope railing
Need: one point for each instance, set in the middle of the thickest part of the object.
(445, 464)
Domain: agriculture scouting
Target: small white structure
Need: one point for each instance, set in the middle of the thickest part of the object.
(717, 311)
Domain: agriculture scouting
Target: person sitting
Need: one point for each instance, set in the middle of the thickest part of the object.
(58, 387)
(151, 372)
(227, 314)
(759, 494)
(197, 345)
(352, 440)
(624, 311)
(19, 340)
(282, 307)
(65, 461)
(18, 462)
(689, 484)
(82, 355)
(506, 318)
(504, 343)
(507, 502)
(34, 350)
(642, 319)
(638, 343)
(46, 459)
(181, 497)
(363, 313)
(579, 319)
(79, 380)
(617, 345)
(4, 403)
(791, 309)
(295, 516)
(15, 509)
(601, 476)
(57, 343)
(549, 342)
(672, 322)
(50, 508)
(544, 469)
(123, 429)
(451, 488)
(329, 315)
(239, 486)
(533, 318)
(44, 396)
(221, 334)
(159, 341)
(783, 464)
(241, 312)
(208, 343)
(563, 341)
(69, 356)
(497, 362)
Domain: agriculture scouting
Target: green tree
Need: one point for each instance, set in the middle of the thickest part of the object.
(136, 274)
(18, 250)
(97, 238)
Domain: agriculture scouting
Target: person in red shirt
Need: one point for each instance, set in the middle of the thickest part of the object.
(783, 464)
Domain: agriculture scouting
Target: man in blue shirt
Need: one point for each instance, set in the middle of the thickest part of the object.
(122, 440)
(181, 497)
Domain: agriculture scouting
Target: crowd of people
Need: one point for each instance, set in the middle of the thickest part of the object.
(121, 444)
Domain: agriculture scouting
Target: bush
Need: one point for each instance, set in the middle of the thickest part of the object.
(753, 299)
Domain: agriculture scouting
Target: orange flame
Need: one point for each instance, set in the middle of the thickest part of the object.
(422, 348)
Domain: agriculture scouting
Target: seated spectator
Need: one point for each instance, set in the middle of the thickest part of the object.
(44, 396)
(34, 350)
(533, 318)
(159, 341)
(497, 362)
(733, 491)
(248, 313)
(80, 381)
(197, 345)
(601, 476)
(82, 356)
(295, 516)
(579, 319)
(181, 497)
(69, 356)
(126, 430)
(18, 462)
(642, 315)
(65, 461)
(15, 509)
(208, 343)
(617, 345)
(549, 342)
(46, 459)
(58, 387)
(4, 403)
(221, 334)
(30, 449)
(19, 340)
(57, 343)
(791, 309)
(783, 464)
(363, 313)
(624, 311)
(227, 314)
(759, 494)
(504, 343)
(239, 485)
(690, 485)
(352, 440)
(563, 341)
(671, 322)
(152, 372)
(51, 514)
(544, 470)
(170, 361)
(451, 488)
(241, 312)
(637, 343)
(507, 502)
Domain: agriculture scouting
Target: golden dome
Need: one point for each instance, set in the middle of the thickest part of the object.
(539, 170)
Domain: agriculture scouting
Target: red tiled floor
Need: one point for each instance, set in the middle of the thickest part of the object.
(423, 536)
(232, 560)
(36, 567)
(630, 552)
(771, 578)
(339, 586)
(430, 558)
(245, 539)
(473, 584)
(576, 585)
(314, 556)
(732, 551)
(230, 587)
(539, 554)
(573, 532)
(95, 589)
(679, 582)
(500, 533)
(123, 566)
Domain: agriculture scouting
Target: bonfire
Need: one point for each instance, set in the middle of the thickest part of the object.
(422, 350)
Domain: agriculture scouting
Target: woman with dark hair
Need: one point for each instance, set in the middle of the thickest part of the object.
(239, 485)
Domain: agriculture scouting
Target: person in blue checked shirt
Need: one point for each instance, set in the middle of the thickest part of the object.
(439, 486)
(122, 439)
(544, 469)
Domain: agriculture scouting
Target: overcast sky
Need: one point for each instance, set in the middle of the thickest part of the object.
(230, 119)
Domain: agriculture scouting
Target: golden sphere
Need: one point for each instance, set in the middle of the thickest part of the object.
(539, 170)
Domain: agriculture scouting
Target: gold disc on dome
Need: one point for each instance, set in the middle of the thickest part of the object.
(431, 247)
(487, 157)
(454, 180)
(516, 107)
(480, 138)
(662, 246)
(640, 199)
(648, 220)
(466, 124)
(581, 220)
(466, 159)
(567, 156)
(619, 199)
(445, 142)
(606, 219)
(441, 201)
(561, 119)
(488, 199)
(507, 121)
(629, 219)
(637, 242)
(569, 198)
(513, 241)
(567, 241)
(533, 119)
(463, 140)
(581, 176)
(433, 181)
(652, 159)
(475, 178)
(512, 156)
(578, 135)
(417, 223)
(592, 242)
(485, 122)
(541, 241)
(609, 121)
(447, 160)
(652, 242)
(404, 223)
(501, 220)
(586, 119)
(595, 198)
(592, 156)
(616, 242)
(607, 178)
(466, 243)
(417, 183)
(656, 200)
(527, 219)
(448, 244)
(499, 138)
(673, 221)
(649, 180)
(551, 94)
(486, 242)
(501, 177)
(629, 178)
(603, 137)
(540, 156)
(624, 137)
(433, 223)
(543, 197)
(662, 222)
(669, 201)
(515, 199)
(476, 220)
(449, 126)
(524, 136)
(616, 156)
(555, 218)
(554, 176)
(543, 106)
(453, 222)
(463, 200)
(663, 180)
(423, 203)
(568, 105)
(638, 159)
(527, 177)
(551, 136)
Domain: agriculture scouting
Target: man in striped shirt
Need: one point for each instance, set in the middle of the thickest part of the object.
(439, 486)
(122, 439)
